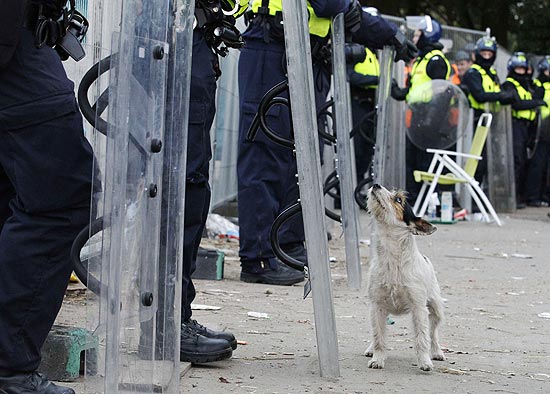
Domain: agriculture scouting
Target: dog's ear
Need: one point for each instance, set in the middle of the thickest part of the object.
(422, 227)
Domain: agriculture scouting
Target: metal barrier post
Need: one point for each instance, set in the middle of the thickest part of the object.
(342, 109)
(304, 119)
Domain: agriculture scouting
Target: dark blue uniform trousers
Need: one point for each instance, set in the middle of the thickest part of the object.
(266, 172)
(45, 191)
(202, 108)
(520, 134)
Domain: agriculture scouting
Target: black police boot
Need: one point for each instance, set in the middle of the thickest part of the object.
(198, 349)
(30, 383)
(296, 250)
(275, 273)
(208, 333)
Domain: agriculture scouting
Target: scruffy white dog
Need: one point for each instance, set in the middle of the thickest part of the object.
(401, 279)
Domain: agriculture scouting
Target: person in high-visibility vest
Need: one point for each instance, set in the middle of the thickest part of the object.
(430, 64)
(524, 114)
(538, 174)
(483, 89)
(265, 170)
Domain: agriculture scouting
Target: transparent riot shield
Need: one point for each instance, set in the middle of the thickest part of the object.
(141, 112)
(437, 115)
(500, 145)
(304, 119)
(345, 163)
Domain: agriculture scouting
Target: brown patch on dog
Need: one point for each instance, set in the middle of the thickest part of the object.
(399, 203)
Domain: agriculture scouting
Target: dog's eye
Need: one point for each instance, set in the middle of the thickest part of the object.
(398, 200)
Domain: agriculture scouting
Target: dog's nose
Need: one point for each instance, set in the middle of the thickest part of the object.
(376, 186)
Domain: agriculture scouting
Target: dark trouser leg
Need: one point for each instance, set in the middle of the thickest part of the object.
(364, 150)
(520, 130)
(536, 172)
(197, 203)
(7, 192)
(49, 166)
(264, 169)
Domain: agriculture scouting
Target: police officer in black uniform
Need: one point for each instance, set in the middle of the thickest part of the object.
(265, 171)
(430, 64)
(200, 344)
(483, 88)
(524, 113)
(45, 186)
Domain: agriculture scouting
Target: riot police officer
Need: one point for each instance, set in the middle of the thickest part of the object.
(45, 188)
(483, 87)
(198, 343)
(266, 171)
(430, 64)
(537, 177)
(524, 113)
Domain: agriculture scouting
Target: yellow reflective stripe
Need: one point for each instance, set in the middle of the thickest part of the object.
(419, 76)
(369, 66)
(243, 6)
(317, 26)
(488, 84)
(524, 94)
(544, 111)
(274, 6)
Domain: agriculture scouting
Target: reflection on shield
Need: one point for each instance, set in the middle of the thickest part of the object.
(437, 115)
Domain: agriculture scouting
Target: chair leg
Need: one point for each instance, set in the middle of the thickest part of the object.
(419, 198)
(433, 184)
(487, 203)
(480, 205)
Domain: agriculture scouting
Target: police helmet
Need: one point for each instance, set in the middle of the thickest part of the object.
(431, 31)
(486, 44)
(544, 64)
(518, 59)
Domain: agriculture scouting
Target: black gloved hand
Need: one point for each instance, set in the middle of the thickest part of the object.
(353, 16)
(506, 97)
(404, 48)
(396, 92)
(542, 103)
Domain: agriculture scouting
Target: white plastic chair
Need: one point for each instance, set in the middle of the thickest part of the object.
(442, 160)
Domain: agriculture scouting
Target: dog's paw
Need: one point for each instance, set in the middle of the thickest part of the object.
(438, 355)
(426, 365)
(376, 363)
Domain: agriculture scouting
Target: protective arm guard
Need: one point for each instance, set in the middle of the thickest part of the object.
(12, 14)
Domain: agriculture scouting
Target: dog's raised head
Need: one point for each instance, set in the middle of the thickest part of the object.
(391, 209)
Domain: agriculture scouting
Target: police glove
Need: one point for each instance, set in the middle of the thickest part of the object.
(353, 16)
(404, 48)
(542, 103)
(396, 92)
(506, 97)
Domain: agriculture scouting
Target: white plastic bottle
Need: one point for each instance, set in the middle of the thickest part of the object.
(446, 207)
(433, 202)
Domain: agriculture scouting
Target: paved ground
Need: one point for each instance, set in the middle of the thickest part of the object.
(496, 339)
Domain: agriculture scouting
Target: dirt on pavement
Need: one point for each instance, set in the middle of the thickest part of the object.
(496, 333)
